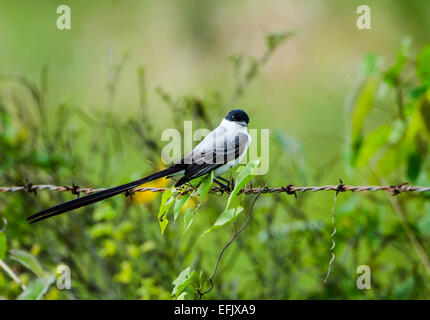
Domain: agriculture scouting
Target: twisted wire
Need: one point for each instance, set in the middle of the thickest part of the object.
(290, 189)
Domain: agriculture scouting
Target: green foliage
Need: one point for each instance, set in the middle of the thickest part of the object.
(3, 245)
(115, 248)
(180, 202)
(166, 202)
(374, 141)
(106, 238)
(393, 73)
(362, 108)
(37, 288)
(228, 215)
(370, 65)
(28, 261)
(206, 185)
(245, 174)
(423, 66)
(273, 40)
(181, 282)
(188, 218)
(424, 224)
(104, 212)
(399, 141)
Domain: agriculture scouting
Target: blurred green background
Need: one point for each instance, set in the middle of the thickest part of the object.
(88, 105)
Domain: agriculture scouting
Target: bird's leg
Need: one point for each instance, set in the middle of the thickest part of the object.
(129, 193)
(225, 180)
(222, 185)
(232, 183)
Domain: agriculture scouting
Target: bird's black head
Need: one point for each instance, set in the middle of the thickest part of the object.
(238, 116)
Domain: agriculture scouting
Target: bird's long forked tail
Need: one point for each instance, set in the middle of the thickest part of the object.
(97, 196)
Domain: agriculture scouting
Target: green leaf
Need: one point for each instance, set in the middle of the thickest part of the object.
(181, 296)
(398, 129)
(3, 245)
(389, 161)
(425, 114)
(416, 127)
(423, 65)
(370, 65)
(37, 288)
(195, 182)
(393, 73)
(424, 223)
(188, 218)
(166, 202)
(182, 281)
(273, 40)
(179, 204)
(372, 143)
(417, 92)
(225, 217)
(230, 214)
(245, 175)
(415, 144)
(415, 161)
(363, 105)
(405, 289)
(205, 185)
(28, 261)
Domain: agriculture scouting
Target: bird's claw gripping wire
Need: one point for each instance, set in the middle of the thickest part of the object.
(223, 187)
(129, 193)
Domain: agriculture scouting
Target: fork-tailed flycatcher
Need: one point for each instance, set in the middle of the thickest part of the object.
(221, 150)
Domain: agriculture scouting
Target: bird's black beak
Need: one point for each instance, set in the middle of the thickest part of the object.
(243, 123)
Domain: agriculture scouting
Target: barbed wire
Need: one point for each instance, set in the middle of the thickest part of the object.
(248, 190)
(289, 189)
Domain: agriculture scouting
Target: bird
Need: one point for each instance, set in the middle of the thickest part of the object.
(222, 149)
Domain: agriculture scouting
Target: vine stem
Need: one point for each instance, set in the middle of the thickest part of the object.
(235, 234)
(333, 221)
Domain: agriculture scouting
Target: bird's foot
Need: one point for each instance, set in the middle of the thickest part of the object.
(129, 194)
(222, 186)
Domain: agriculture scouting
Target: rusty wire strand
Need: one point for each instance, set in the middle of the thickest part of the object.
(289, 189)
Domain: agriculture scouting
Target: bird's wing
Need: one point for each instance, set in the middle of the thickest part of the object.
(206, 145)
(217, 149)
